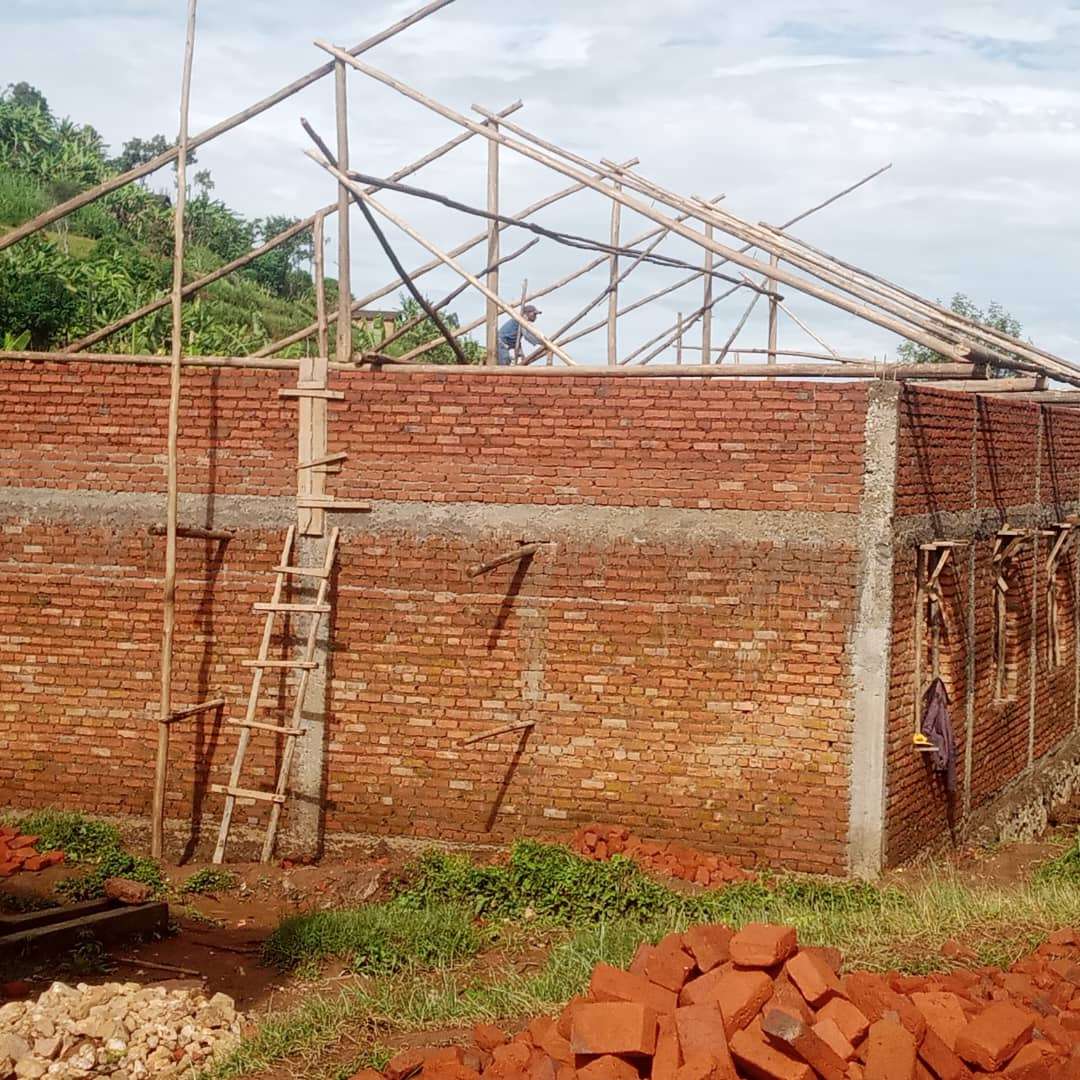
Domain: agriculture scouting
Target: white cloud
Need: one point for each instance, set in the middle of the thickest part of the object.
(779, 105)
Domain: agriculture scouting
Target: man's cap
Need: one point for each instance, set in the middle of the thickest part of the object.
(531, 309)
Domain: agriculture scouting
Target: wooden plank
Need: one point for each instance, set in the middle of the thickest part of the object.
(194, 533)
(526, 551)
(277, 729)
(245, 793)
(27, 920)
(309, 666)
(113, 924)
(341, 506)
(194, 710)
(301, 571)
(295, 609)
(323, 395)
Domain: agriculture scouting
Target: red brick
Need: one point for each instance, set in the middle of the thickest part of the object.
(700, 1030)
(804, 1044)
(875, 998)
(847, 1017)
(613, 984)
(488, 1036)
(828, 1031)
(994, 1036)
(944, 1014)
(760, 945)
(668, 1056)
(891, 1052)
(613, 1027)
(710, 945)
(764, 1061)
(940, 1059)
(608, 1068)
(669, 966)
(740, 996)
(817, 982)
(545, 1035)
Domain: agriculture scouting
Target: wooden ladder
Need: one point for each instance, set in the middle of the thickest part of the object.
(305, 666)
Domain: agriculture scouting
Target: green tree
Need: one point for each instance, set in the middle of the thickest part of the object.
(995, 317)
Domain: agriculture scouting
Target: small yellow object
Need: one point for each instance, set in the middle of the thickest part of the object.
(922, 743)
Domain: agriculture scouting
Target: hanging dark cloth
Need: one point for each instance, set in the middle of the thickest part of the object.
(937, 727)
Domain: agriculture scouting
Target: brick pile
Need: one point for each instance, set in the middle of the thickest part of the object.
(18, 852)
(668, 858)
(711, 1004)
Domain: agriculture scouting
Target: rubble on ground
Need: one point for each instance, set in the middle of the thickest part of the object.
(711, 1004)
(122, 1030)
(669, 858)
(18, 852)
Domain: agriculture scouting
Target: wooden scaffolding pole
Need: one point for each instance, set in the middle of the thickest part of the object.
(344, 319)
(493, 232)
(774, 303)
(157, 824)
(706, 303)
(319, 267)
(613, 289)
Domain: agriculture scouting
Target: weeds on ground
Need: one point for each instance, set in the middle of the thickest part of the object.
(82, 839)
(380, 939)
(88, 840)
(209, 880)
(1065, 868)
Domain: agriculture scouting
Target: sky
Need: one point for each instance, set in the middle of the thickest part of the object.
(777, 106)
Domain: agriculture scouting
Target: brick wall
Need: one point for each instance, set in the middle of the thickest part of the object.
(682, 645)
(967, 467)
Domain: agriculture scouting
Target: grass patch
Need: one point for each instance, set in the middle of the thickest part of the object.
(1065, 868)
(380, 939)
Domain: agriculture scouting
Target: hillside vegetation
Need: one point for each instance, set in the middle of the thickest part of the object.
(115, 255)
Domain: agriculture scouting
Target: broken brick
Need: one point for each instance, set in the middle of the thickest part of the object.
(608, 1068)
(668, 1057)
(828, 1031)
(943, 1013)
(761, 1059)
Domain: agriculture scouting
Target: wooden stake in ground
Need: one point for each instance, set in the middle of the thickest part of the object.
(157, 825)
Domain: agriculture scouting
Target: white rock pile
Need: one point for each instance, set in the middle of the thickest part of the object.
(122, 1030)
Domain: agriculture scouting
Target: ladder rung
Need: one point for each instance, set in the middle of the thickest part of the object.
(296, 609)
(347, 506)
(302, 571)
(244, 793)
(266, 727)
(299, 392)
(303, 665)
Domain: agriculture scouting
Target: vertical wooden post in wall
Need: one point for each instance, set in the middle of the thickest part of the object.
(774, 312)
(157, 824)
(613, 286)
(344, 322)
(707, 304)
(679, 340)
(312, 411)
(491, 318)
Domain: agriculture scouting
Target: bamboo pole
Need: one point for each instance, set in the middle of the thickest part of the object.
(669, 334)
(773, 314)
(319, 243)
(274, 242)
(844, 372)
(805, 329)
(613, 288)
(378, 294)
(493, 232)
(521, 307)
(344, 319)
(62, 210)
(449, 261)
(706, 303)
(679, 339)
(738, 330)
(157, 825)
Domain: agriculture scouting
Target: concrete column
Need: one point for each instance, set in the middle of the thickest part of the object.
(305, 807)
(872, 639)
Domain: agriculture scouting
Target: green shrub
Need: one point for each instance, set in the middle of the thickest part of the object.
(21, 198)
(1065, 868)
(117, 863)
(209, 880)
(380, 939)
(82, 839)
